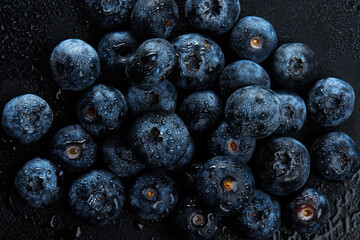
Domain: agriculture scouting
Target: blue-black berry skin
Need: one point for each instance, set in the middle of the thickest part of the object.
(110, 14)
(160, 139)
(75, 65)
(253, 38)
(293, 112)
(151, 63)
(253, 111)
(335, 156)
(101, 109)
(308, 212)
(240, 74)
(27, 118)
(201, 111)
(282, 165)
(224, 185)
(119, 157)
(39, 182)
(224, 141)
(294, 66)
(160, 97)
(154, 196)
(195, 221)
(186, 158)
(74, 149)
(261, 218)
(199, 62)
(115, 50)
(97, 197)
(212, 16)
(331, 101)
(154, 18)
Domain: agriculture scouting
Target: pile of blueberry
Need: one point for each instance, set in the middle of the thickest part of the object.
(195, 122)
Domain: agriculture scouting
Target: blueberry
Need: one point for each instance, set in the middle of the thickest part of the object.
(101, 109)
(293, 112)
(308, 212)
(201, 111)
(335, 156)
(240, 74)
(154, 18)
(151, 63)
(160, 97)
(73, 148)
(294, 66)
(115, 50)
(224, 185)
(39, 182)
(253, 111)
(331, 101)
(282, 165)
(75, 65)
(27, 118)
(199, 62)
(186, 158)
(160, 139)
(97, 197)
(260, 219)
(154, 196)
(253, 38)
(110, 14)
(224, 141)
(195, 221)
(213, 16)
(120, 158)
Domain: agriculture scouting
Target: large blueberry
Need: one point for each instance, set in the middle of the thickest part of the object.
(27, 118)
(101, 109)
(199, 62)
(253, 111)
(335, 156)
(97, 197)
(331, 101)
(253, 38)
(75, 65)
(39, 182)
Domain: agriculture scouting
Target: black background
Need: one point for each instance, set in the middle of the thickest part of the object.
(30, 29)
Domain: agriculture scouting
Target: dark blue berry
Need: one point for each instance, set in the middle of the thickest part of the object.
(75, 65)
(199, 62)
(201, 111)
(101, 109)
(154, 18)
(260, 219)
(253, 38)
(253, 111)
(213, 16)
(335, 156)
(120, 158)
(153, 196)
(39, 182)
(160, 139)
(195, 221)
(224, 185)
(308, 212)
(27, 118)
(97, 197)
(294, 66)
(282, 165)
(74, 149)
(293, 113)
(224, 141)
(160, 97)
(240, 74)
(151, 63)
(331, 101)
(186, 158)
